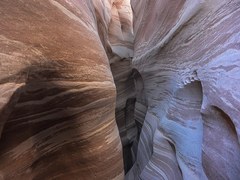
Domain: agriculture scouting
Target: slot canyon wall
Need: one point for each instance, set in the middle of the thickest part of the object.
(58, 96)
(187, 55)
(92, 88)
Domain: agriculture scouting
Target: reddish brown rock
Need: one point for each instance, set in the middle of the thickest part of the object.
(57, 103)
(170, 78)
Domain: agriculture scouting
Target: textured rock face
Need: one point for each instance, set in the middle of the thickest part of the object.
(166, 71)
(57, 91)
(187, 57)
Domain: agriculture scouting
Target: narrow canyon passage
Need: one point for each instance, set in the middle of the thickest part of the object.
(120, 89)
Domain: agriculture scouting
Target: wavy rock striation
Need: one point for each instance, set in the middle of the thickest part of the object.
(186, 55)
(90, 88)
(57, 100)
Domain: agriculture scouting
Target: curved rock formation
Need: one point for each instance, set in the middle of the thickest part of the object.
(187, 54)
(57, 105)
(90, 88)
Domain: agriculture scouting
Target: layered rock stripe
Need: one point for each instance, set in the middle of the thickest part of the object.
(187, 54)
(57, 103)
(175, 65)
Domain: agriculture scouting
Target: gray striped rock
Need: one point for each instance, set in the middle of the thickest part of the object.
(187, 55)
(165, 72)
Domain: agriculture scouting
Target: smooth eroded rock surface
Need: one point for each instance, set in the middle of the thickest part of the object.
(58, 95)
(187, 55)
(93, 89)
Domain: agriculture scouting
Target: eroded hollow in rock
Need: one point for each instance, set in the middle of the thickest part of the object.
(191, 93)
(185, 127)
(220, 132)
(186, 103)
(178, 108)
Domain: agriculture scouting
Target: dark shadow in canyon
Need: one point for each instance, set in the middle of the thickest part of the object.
(130, 109)
(141, 105)
(125, 107)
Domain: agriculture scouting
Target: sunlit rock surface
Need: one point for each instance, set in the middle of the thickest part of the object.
(187, 57)
(57, 91)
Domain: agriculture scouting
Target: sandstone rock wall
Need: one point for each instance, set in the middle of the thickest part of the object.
(58, 95)
(187, 54)
(78, 75)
